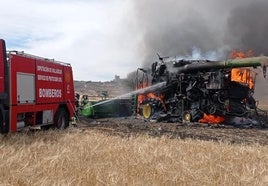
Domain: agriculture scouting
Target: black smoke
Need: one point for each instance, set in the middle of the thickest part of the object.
(213, 27)
(247, 27)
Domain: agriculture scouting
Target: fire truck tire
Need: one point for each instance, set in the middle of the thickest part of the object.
(61, 119)
(4, 125)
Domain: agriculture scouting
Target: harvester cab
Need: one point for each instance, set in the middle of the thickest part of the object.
(142, 79)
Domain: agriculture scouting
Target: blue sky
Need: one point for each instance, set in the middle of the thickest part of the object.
(94, 36)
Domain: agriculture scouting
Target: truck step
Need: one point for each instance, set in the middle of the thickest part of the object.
(36, 127)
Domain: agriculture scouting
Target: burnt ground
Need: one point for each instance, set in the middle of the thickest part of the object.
(129, 126)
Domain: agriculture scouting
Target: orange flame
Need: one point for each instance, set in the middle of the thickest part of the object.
(243, 75)
(236, 54)
(212, 119)
(143, 97)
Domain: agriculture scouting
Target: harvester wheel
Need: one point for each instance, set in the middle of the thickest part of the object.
(186, 117)
(150, 108)
(61, 119)
(147, 111)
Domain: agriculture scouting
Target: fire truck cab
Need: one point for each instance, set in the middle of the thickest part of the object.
(34, 91)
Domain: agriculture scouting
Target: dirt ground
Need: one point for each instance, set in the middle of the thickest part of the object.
(128, 126)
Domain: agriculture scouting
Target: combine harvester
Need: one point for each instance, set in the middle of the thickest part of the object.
(198, 91)
(202, 91)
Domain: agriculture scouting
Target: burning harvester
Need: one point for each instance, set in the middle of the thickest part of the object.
(200, 90)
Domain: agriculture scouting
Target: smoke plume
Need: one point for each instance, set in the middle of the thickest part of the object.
(247, 27)
(211, 28)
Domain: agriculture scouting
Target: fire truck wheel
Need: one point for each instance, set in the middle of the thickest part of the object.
(61, 119)
(4, 126)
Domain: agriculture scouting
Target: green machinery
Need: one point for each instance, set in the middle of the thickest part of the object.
(105, 108)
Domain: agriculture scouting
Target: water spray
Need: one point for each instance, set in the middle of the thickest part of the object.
(140, 91)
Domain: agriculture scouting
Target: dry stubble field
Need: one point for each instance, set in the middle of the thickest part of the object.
(91, 157)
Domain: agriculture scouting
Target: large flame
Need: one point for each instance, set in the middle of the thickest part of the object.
(243, 75)
(209, 118)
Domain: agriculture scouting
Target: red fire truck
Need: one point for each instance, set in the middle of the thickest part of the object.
(34, 91)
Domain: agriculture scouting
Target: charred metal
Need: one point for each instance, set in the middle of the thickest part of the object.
(201, 90)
